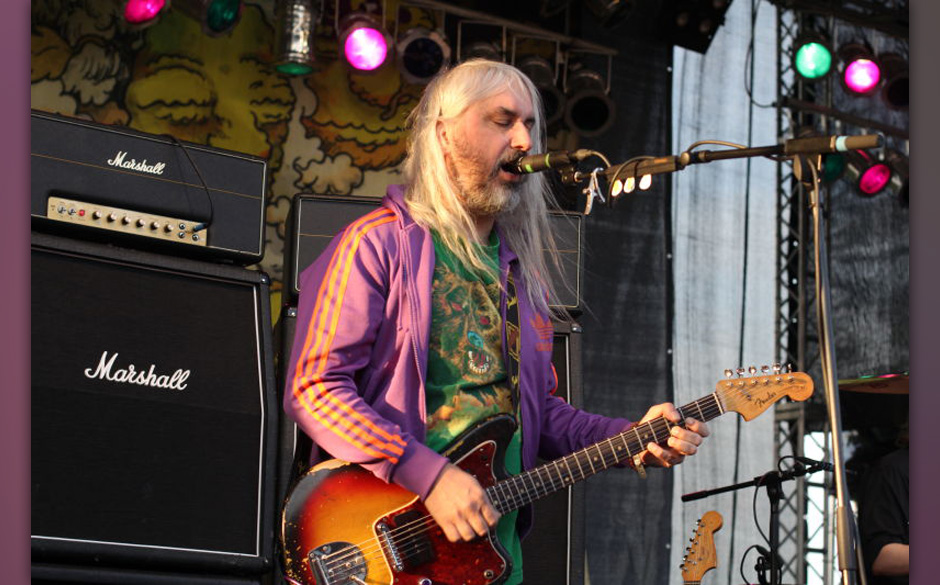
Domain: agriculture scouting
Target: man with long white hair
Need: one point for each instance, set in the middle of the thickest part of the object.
(431, 315)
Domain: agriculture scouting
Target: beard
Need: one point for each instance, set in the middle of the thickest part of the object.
(481, 191)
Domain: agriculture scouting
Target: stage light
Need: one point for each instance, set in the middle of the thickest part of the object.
(833, 167)
(364, 41)
(611, 12)
(691, 24)
(900, 167)
(542, 74)
(861, 73)
(868, 176)
(216, 16)
(421, 54)
(483, 50)
(294, 37)
(812, 58)
(589, 110)
(896, 90)
(143, 12)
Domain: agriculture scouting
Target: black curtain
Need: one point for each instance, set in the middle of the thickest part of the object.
(627, 322)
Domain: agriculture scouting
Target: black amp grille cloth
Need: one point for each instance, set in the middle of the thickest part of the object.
(118, 462)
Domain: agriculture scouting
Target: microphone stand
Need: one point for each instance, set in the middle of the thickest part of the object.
(846, 528)
(773, 481)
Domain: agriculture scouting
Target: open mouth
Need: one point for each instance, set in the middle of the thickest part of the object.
(507, 169)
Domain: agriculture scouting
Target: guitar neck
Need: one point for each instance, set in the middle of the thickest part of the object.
(523, 489)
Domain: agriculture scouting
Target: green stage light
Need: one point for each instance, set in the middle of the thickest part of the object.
(221, 15)
(293, 38)
(833, 167)
(217, 17)
(813, 59)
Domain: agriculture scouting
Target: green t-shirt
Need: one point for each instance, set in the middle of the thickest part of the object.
(467, 379)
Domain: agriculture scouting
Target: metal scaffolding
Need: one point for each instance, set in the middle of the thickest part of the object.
(806, 531)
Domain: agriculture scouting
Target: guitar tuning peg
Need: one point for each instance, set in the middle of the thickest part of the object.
(789, 368)
(740, 372)
(764, 369)
(728, 373)
(752, 370)
(776, 368)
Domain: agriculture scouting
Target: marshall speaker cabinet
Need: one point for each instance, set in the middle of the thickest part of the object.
(315, 219)
(154, 418)
(110, 183)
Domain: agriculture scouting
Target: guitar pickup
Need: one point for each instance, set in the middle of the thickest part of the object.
(406, 540)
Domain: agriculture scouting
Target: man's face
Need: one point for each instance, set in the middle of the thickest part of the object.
(490, 133)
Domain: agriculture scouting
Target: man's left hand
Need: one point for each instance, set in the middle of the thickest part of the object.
(682, 443)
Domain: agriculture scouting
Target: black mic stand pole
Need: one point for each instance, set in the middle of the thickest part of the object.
(846, 528)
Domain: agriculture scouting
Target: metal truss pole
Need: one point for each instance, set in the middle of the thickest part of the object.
(795, 321)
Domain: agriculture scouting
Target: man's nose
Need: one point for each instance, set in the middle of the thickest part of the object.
(520, 139)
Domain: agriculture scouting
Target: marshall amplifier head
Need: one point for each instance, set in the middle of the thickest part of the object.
(114, 184)
(153, 411)
(315, 219)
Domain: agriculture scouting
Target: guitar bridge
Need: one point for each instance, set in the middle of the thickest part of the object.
(338, 563)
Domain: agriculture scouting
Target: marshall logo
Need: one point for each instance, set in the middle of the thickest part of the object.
(132, 164)
(131, 375)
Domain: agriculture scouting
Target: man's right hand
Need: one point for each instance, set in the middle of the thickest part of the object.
(459, 505)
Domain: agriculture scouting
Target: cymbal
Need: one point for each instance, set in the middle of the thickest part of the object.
(882, 384)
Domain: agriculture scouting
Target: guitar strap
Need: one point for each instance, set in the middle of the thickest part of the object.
(513, 340)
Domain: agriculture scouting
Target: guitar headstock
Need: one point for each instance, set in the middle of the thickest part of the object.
(751, 395)
(700, 556)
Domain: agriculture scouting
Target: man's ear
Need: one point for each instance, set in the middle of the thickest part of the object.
(443, 134)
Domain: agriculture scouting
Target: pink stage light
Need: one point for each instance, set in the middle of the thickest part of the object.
(862, 76)
(366, 48)
(141, 11)
(874, 179)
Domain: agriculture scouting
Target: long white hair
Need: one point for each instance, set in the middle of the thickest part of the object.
(432, 196)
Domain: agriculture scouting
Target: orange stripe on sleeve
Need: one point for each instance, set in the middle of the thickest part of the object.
(331, 332)
(322, 405)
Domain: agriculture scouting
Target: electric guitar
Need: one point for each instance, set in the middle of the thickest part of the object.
(340, 525)
(700, 556)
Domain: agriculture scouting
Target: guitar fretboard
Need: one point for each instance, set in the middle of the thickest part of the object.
(523, 489)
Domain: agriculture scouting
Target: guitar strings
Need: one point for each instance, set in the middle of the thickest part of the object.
(405, 536)
(412, 530)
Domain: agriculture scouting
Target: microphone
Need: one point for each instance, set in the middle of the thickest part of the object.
(827, 144)
(536, 163)
(819, 465)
